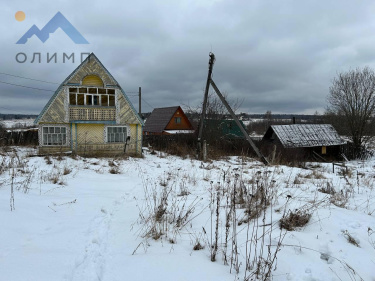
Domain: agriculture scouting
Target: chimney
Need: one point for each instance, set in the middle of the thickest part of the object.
(293, 120)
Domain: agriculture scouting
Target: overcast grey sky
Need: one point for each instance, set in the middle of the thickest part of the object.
(276, 55)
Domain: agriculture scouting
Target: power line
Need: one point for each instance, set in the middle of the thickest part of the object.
(16, 112)
(3, 73)
(141, 98)
(39, 89)
(147, 103)
(23, 86)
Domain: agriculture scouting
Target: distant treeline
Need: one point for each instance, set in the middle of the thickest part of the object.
(16, 116)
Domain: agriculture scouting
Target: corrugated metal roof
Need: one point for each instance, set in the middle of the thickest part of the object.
(307, 135)
(159, 119)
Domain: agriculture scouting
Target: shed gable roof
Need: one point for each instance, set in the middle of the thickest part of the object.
(305, 135)
(159, 119)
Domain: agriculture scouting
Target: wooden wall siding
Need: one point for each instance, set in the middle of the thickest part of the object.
(101, 149)
(125, 111)
(93, 149)
(184, 125)
(53, 149)
(73, 138)
(56, 111)
(93, 80)
(135, 145)
(95, 114)
(90, 134)
(91, 67)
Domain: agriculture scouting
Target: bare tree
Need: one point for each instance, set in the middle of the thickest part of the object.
(216, 109)
(267, 119)
(352, 97)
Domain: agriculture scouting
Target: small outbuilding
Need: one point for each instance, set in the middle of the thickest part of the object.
(319, 139)
(226, 128)
(166, 121)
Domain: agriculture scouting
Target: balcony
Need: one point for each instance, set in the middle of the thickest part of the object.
(89, 113)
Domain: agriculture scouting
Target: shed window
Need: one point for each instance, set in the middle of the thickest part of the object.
(55, 135)
(324, 150)
(116, 134)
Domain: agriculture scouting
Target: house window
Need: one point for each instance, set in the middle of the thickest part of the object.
(116, 134)
(177, 120)
(92, 96)
(72, 99)
(55, 135)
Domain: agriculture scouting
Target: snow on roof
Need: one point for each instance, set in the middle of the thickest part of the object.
(172, 132)
(307, 135)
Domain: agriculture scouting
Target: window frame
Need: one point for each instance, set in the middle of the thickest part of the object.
(91, 94)
(112, 139)
(54, 135)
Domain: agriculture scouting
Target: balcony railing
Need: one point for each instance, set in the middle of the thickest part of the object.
(84, 113)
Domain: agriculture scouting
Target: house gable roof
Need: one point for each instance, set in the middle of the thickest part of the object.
(159, 119)
(76, 77)
(305, 135)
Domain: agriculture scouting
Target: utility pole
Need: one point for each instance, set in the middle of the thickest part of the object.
(212, 83)
(203, 114)
(140, 102)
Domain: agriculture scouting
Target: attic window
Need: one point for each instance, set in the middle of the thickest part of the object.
(177, 120)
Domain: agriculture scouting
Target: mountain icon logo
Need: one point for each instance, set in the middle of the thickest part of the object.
(58, 21)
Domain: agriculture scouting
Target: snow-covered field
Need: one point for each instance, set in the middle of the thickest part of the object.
(18, 123)
(141, 218)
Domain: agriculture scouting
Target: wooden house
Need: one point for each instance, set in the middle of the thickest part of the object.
(226, 128)
(167, 120)
(90, 114)
(319, 139)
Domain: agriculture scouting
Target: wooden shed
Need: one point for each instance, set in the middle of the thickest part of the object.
(226, 128)
(319, 139)
(90, 113)
(167, 120)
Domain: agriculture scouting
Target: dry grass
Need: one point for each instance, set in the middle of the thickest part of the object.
(198, 246)
(328, 189)
(66, 171)
(350, 238)
(295, 219)
(115, 170)
(339, 199)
